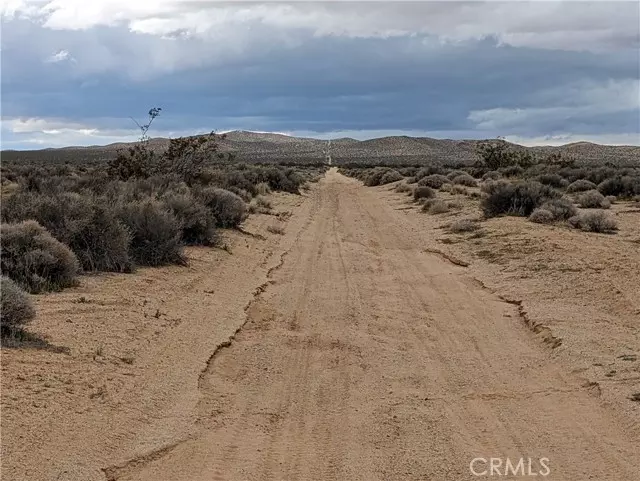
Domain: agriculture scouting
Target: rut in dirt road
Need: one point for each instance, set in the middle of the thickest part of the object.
(368, 358)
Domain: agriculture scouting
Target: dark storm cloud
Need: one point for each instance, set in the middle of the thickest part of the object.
(281, 78)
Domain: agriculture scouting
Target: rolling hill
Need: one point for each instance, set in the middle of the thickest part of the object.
(269, 148)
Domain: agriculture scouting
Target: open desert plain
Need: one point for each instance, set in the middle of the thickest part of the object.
(319, 240)
(349, 330)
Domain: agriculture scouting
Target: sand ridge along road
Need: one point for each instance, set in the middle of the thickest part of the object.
(368, 358)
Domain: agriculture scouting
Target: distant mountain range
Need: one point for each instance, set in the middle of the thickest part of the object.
(266, 147)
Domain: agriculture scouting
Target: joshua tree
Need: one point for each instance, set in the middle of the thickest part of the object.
(153, 113)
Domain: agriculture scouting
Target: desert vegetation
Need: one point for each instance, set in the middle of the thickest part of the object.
(547, 188)
(63, 219)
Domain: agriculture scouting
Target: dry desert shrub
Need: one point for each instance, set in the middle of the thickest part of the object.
(435, 206)
(625, 186)
(275, 229)
(260, 205)
(435, 181)
(429, 170)
(390, 176)
(459, 189)
(262, 188)
(464, 225)
(380, 176)
(492, 175)
(35, 260)
(155, 233)
(592, 199)
(598, 221)
(84, 222)
(465, 179)
(423, 192)
(197, 224)
(228, 209)
(553, 180)
(561, 209)
(402, 187)
(519, 199)
(581, 185)
(542, 216)
(17, 307)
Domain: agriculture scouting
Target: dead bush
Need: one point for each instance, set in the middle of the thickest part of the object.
(435, 206)
(463, 225)
(275, 229)
(262, 188)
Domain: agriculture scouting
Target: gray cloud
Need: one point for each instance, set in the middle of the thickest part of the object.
(527, 70)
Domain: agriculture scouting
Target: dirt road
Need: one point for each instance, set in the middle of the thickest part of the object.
(369, 358)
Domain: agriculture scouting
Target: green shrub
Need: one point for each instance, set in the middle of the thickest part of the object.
(17, 307)
(155, 233)
(228, 209)
(515, 199)
(35, 260)
(423, 192)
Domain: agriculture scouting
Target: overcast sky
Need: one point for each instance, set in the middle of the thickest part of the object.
(73, 71)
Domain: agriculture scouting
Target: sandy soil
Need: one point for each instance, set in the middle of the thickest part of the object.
(579, 291)
(360, 353)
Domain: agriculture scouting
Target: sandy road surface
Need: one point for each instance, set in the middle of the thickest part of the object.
(368, 358)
